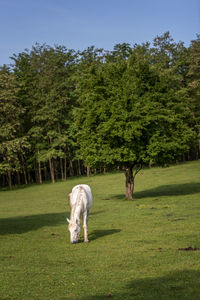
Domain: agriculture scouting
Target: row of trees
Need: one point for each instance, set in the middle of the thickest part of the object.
(65, 112)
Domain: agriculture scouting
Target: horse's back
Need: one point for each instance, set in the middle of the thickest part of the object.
(87, 190)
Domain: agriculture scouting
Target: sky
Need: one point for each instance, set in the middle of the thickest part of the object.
(78, 24)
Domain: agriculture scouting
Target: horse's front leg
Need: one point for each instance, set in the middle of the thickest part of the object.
(85, 220)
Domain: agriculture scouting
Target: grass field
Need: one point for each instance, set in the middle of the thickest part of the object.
(140, 249)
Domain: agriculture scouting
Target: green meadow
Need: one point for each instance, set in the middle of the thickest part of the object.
(147, 248)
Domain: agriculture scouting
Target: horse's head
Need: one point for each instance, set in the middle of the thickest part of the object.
(74, 230)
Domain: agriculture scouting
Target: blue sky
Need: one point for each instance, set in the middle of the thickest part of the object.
(78, 24)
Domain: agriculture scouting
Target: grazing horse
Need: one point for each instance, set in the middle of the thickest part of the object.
(80, 200)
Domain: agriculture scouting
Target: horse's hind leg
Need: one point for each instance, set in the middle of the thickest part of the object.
(85, 220)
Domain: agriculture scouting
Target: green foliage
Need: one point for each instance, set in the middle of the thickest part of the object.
(194, 78)
(45, 75)
(132, 106)
(13, 143)
(132, 113)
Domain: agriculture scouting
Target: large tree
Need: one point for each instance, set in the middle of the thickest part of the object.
(194, 82)
(131, 114)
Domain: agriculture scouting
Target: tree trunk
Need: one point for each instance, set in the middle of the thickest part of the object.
(65, 168)
(45, 173)
(129, 182)
(61, 168)
(88, 171)
(39, 168)
(51, 165)
(56, 169)
(71, 170)
(51, 170)
(39, 172)
(24, 169)
(36, 172)
(25, 177)
(29, 177)
(9, 180)
(79, 168)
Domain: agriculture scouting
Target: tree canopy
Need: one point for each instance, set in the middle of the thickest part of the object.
(63, 111)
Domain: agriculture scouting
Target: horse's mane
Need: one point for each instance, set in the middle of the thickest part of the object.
(79, 201)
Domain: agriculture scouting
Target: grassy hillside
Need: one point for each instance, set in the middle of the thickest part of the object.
(141, 249)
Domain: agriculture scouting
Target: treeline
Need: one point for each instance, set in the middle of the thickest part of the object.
(66, 112)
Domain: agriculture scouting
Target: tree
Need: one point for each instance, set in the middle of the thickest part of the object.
(12, 142)
(131, 115)
(194, 82)
(47, 84)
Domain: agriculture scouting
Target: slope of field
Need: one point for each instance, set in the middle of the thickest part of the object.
(148, 248)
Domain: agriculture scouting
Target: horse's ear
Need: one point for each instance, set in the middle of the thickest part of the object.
(68, 220)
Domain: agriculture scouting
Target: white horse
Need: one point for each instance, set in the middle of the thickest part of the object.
(80, 200)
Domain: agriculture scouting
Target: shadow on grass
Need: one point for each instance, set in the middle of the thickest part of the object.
(47, 182)
(96, 234)
(17, 225)
(178, 285)
(97, 212)
(22, 224)
(166, 190)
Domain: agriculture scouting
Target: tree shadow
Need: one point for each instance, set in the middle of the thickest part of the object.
(18, 225)
(184, 285)
(96, 234)
(166, 190)
(97, 212)
(22, 224)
